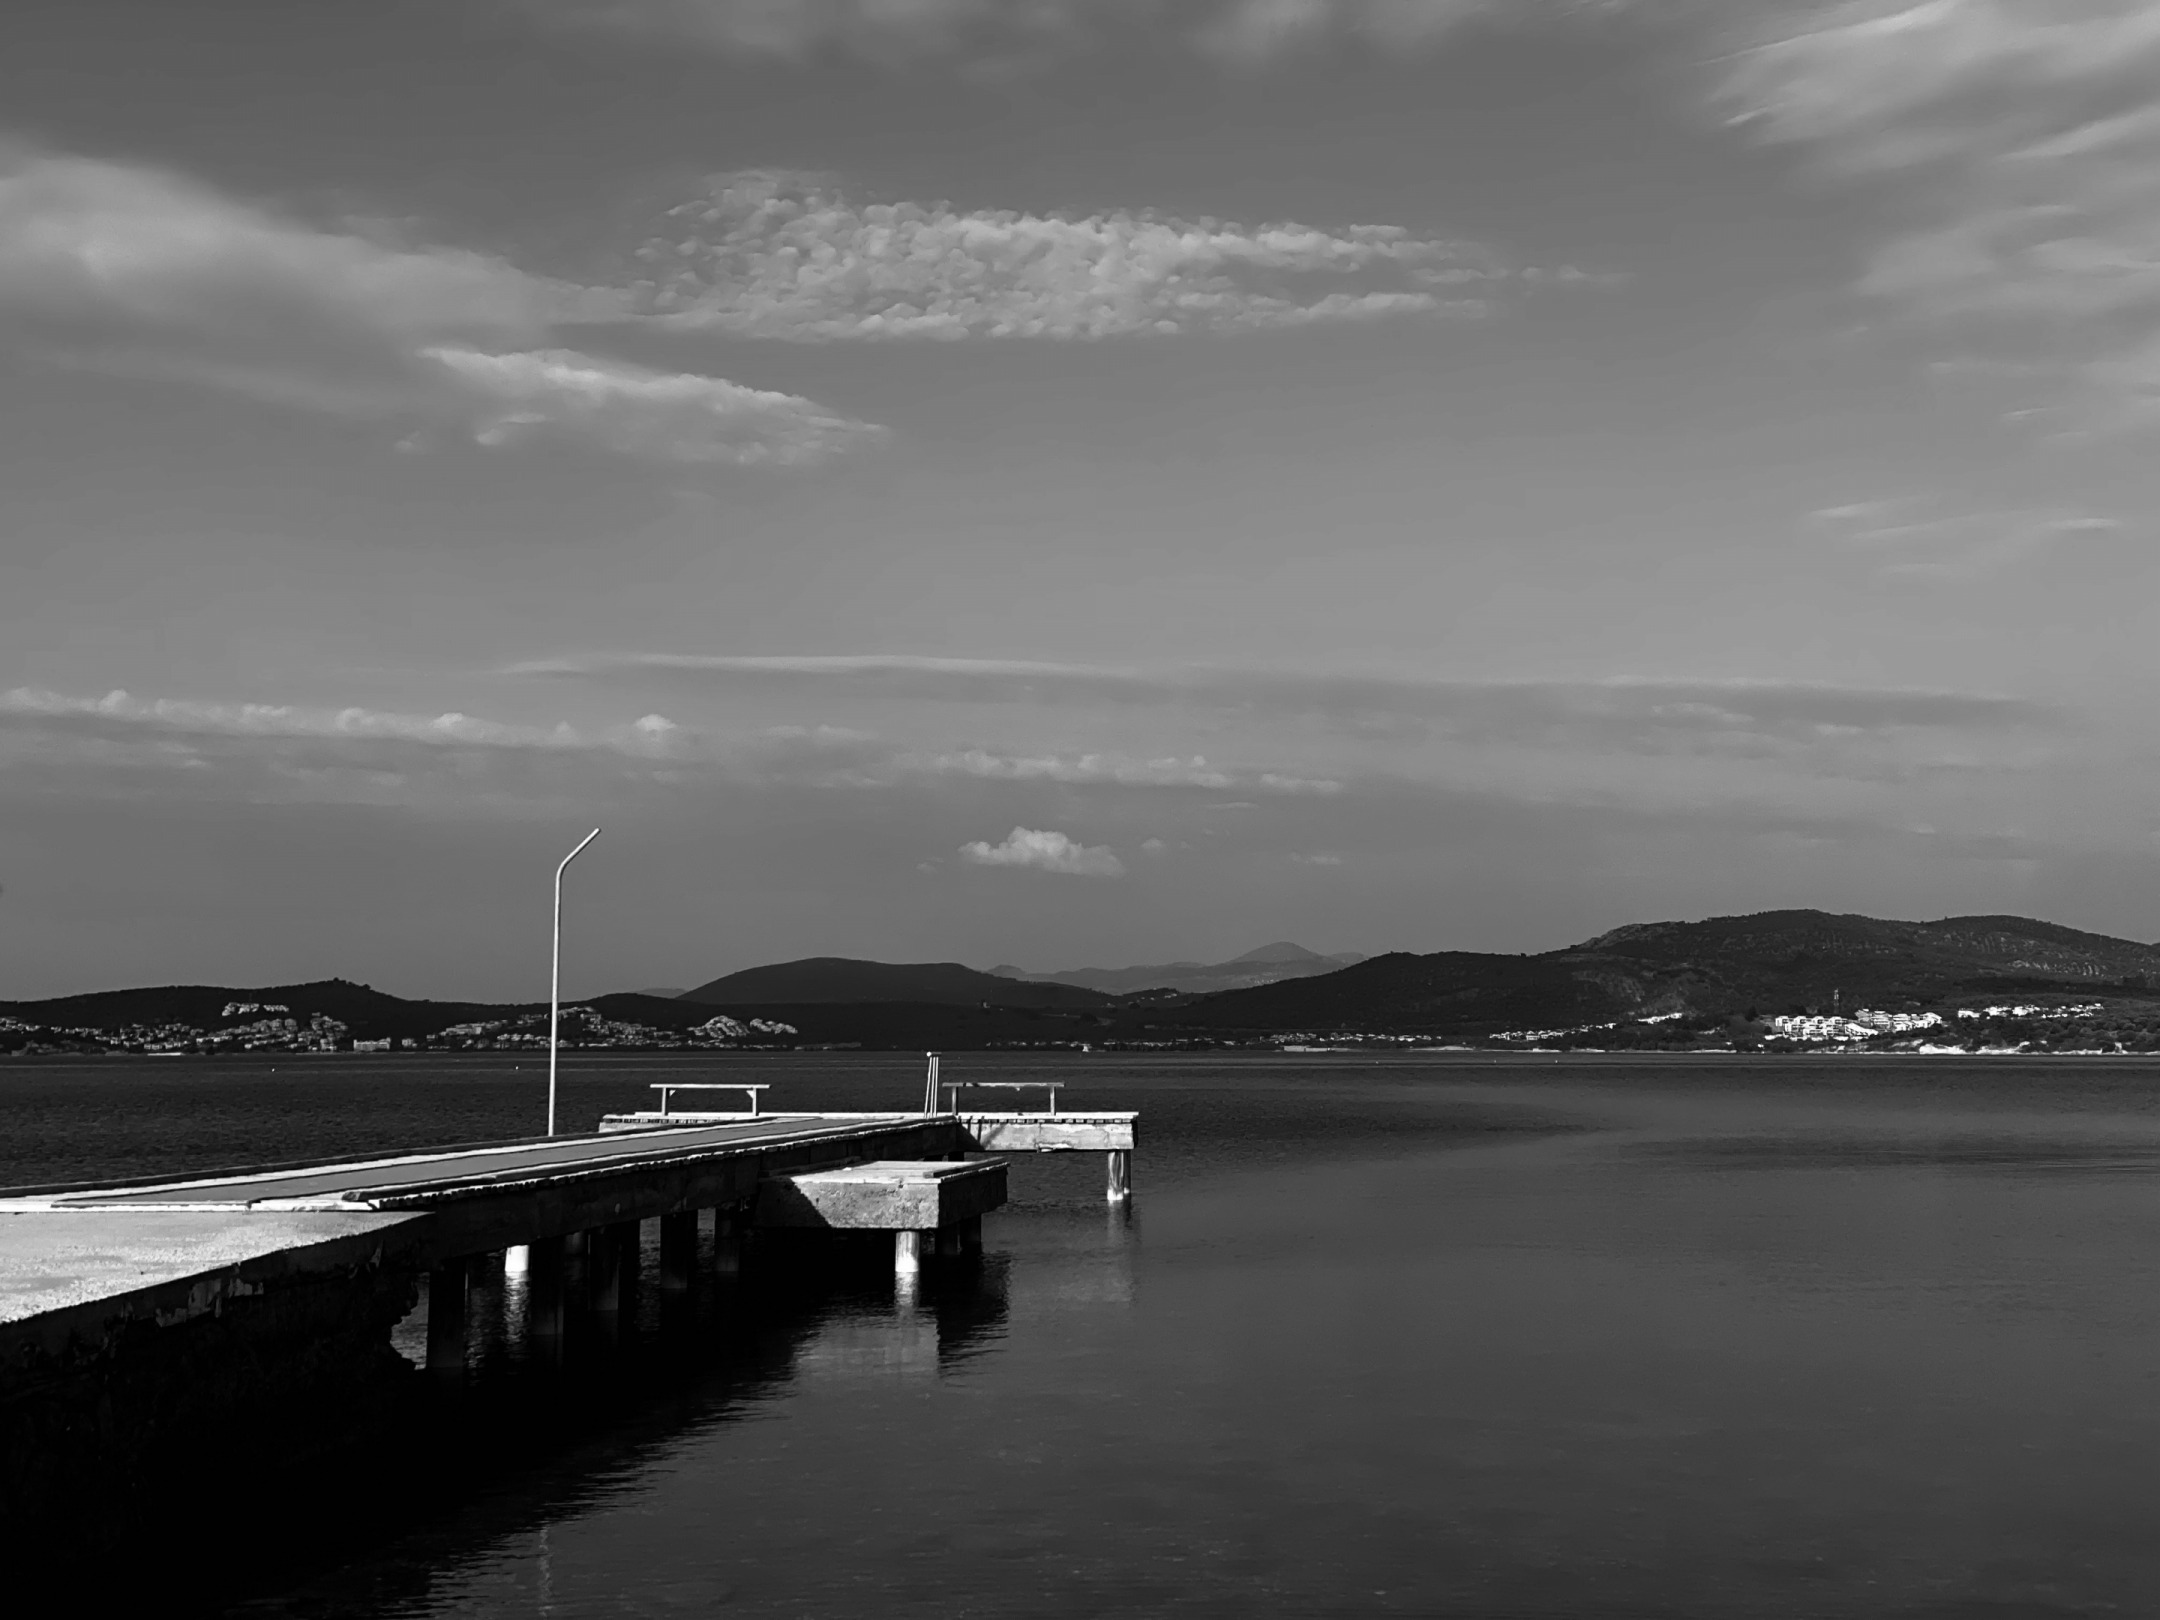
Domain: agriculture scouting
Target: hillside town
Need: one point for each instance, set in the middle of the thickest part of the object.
(1995, 1027)
(273, 1027)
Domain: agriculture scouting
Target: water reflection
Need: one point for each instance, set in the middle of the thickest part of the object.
(534, 1438)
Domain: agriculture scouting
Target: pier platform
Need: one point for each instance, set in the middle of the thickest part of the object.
(1112, 1134)
(247, 1315)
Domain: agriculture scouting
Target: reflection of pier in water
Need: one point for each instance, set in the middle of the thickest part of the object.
(537, 1443)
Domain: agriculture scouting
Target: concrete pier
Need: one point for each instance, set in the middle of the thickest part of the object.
(201, 1320)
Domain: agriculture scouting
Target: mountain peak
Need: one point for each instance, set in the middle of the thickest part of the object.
(833, 979)
(1281, 951)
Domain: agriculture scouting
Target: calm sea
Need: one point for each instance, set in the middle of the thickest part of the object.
(1417, 1336)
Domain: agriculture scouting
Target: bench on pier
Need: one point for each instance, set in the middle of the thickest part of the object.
(667, 1090)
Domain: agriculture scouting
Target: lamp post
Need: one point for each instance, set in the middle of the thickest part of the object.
(555, 977)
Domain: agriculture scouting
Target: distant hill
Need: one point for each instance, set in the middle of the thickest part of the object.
(1771, 962)
(1767, 963)
(830, 980)
(361, 1006)
(1270, 964)
(368, 1012)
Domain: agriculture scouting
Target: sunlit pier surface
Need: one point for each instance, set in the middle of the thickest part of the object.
(137, 1313)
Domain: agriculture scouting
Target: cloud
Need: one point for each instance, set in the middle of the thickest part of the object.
(776, 255)
(121, 709)
(1045, 852)
(1791, 707)
(1192, 772)
(840, 665)
(1914, 538)
(1722, 764)
(657, 415)
(1001, 35)
(131, 269)
(2025, 138)
(822, 755)
(1005, 35)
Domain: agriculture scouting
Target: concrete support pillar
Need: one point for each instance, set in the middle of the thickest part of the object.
(1120, 1175)
(633, 1267)
(544, 1294)
(611, 1257)
(970, 1231)
(446, 1320)
(727, 1247)
(908, 1251)
(678, 1251)
(948, 1243)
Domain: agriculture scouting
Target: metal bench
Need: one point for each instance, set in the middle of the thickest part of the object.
(667, 1088)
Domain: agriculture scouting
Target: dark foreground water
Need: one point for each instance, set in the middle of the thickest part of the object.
(1591, 1338)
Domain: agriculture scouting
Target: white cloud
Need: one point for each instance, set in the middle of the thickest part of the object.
(785, 256)
(185, 716)
(1124, 770)
(1274, 782)
(838, 665)
(1354, 698)
(656, 415)
(2027, 137)
(1916, 538)
(132, 269)
(1192, 772)
(1045, 852)
(1000, 35)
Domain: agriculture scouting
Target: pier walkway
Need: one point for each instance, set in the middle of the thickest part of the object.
(79, 1262)
(151, 1319)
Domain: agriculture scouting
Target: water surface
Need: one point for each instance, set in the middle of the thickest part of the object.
(1414, 1336)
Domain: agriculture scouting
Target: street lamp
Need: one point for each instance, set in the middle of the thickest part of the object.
(555, 976)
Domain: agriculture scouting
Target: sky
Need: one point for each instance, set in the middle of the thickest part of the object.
(1063, 482)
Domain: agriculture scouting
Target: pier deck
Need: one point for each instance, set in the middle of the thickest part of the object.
(463, 1172)
(241, 1315)
(474, 1199)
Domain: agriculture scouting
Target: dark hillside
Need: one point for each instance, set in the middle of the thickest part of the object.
(367, 1010)
(1267, 965)
(1447, 992)
(824, 980)
(370, 1014)
(1772, 962)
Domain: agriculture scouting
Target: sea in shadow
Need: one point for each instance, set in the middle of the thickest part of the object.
(1416, 1335)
